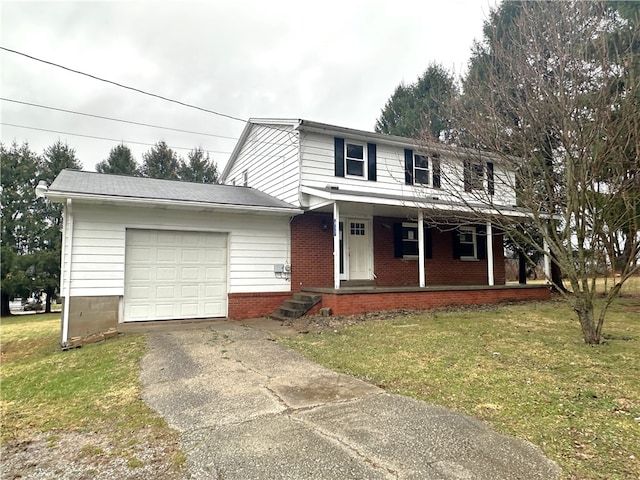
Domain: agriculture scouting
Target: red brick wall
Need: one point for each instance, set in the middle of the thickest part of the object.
(353, 303)
(312, 257)
(253, 305)
(311, 251)
(441, 269)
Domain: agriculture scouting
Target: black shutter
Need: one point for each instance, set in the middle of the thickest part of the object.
(428, 242)
(397, 240)
(339, 156)
(467, 175)
(408, 166)
(481, 242)
(490, 182)
(455, 244)
(371, 160)
(435, 162)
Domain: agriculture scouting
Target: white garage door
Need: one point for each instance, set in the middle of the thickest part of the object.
(174, 275)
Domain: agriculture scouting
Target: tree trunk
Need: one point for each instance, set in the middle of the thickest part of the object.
(590, 332)
(47, 302)
(5, 311)
(522, 268)
(556, 277)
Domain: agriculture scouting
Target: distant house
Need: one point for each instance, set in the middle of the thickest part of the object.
(359, 220)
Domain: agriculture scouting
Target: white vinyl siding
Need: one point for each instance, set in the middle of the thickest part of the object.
(256, 243)
(269, 159)
(318, 170)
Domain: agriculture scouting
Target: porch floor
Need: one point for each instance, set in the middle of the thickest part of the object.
(361, 289)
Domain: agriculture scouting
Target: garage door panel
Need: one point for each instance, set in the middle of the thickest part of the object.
(218, 256)
(141, 274)
(166, 255)
(189, 292)
(172, 275)
(165, 291)
(142, 254)
(189, 273)
(166, 274)
(215, 274)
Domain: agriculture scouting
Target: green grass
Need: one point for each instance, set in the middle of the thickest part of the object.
(523, 368)
(95, 388)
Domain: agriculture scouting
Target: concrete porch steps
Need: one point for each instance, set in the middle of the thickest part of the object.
(299, 304)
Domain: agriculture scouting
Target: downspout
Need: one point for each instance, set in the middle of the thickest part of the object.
(66, 265)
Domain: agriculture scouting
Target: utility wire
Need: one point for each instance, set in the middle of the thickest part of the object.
(125, 86)
(114, 119)
(104, 138)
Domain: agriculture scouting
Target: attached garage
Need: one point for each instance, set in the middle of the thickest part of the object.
(174, 275)
(142, 249)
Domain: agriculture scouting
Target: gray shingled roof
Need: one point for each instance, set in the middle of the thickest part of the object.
(91, 183)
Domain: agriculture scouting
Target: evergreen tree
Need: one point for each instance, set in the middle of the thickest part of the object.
(19, 167)
(422, 109)
(120, 161)
(160, 162)
(199, 168)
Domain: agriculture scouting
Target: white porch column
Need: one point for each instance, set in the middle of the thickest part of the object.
(490, 273)
(547, 261)
(336, 246)
(421, 248)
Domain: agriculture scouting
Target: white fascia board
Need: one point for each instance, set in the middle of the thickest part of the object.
(146, 202)
(338, 196)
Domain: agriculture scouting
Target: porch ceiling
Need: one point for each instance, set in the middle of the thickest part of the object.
(367, 204)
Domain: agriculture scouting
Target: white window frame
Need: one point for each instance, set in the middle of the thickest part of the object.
(474, 242)
(363, 159)
(427, 169)
(412, 227)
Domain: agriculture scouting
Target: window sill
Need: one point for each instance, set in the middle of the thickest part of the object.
(469, 259)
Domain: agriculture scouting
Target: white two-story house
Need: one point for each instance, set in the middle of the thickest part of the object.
(357, 220)
(388, 221)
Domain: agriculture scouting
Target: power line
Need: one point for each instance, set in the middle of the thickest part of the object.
(114, 119)
(125, 86)
(104, 138)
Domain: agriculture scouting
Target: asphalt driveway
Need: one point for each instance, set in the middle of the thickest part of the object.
(248, 407)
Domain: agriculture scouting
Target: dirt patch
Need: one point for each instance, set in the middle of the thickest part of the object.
(91, 455)
(318, 323)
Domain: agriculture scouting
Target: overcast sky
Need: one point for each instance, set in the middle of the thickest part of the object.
(328, 61)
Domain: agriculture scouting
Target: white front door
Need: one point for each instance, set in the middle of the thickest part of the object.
(359, 249)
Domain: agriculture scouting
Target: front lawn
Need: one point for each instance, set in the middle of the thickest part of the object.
(92, 392)
(522, 368)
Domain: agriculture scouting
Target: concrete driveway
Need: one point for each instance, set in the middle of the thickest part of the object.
(248, 407)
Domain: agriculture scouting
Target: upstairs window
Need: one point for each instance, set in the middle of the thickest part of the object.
(355, 159)
(474, 176)
(354, 155)
(422, 168)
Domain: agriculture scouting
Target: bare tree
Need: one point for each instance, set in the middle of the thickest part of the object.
(554, 97)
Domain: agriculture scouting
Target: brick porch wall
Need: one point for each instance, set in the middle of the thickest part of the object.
(353, 303)
(253, 305)
(311, 251)
(312, 257)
